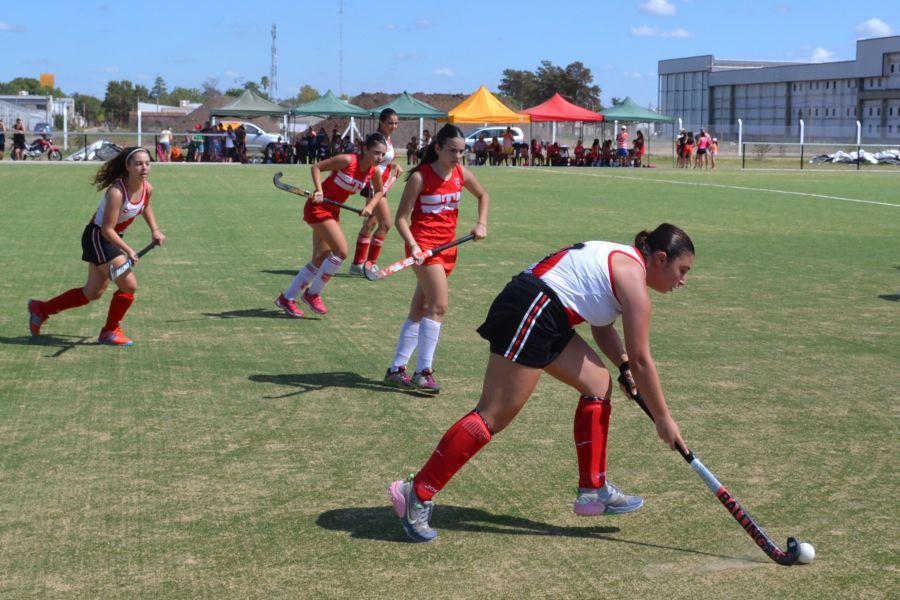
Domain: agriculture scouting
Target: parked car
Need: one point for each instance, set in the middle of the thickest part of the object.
(259, 143)
(43, 128)
(491, 132)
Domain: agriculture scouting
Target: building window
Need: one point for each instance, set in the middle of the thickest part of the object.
(817, 112)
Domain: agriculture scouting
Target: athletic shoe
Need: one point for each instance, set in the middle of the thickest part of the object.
(414, 515)
(373, 268)
(607, 500)
(315, 302)
(116, 337)
(356, 269)
(36, 317)
(424, 380)
(399, 378)
(289, 306)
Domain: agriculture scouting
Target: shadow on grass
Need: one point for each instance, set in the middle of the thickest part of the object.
(890, 297)
(63, 343)
(381, 523)
(255, 313)
(310, 382)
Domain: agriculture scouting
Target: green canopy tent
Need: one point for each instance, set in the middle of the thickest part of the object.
(330, 105)
(629, 111)
(250, 105)
(409, 107)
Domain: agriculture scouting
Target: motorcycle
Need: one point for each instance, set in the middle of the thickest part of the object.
(42, 145)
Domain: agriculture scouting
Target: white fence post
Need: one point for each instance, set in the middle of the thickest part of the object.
(740, 137)
(139, 117)
(858, 133)
(802, 131)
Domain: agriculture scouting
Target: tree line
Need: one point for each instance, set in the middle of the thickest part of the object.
(524, 88)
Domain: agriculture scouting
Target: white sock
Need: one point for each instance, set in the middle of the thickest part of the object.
(429, 332)
(301, 280)
(406, 344)
(328, 268)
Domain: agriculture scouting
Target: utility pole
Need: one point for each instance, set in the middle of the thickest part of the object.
(273, 69)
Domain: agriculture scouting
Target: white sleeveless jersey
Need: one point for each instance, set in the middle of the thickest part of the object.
(388, 157)
(582, 277)
(129, 210)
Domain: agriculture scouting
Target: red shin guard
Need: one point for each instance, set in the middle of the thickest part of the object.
(119, 305)
(591, 432)
(461, 442)
(69, 299)
(375, 248)
(362, 248)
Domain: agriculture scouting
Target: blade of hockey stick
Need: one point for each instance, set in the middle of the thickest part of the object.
(276, 179)
(378, 274)
(116, 272)
(732, 505)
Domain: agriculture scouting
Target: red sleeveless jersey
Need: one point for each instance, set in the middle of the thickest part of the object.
(436, 210)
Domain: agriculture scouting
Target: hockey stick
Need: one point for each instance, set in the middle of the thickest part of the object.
(306, 193)
(116, 272)
(375, 275)
(730, 503)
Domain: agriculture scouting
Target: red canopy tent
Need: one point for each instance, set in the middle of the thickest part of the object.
(558, 108)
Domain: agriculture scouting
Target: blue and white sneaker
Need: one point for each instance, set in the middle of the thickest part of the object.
(607, 500)
(414, 515)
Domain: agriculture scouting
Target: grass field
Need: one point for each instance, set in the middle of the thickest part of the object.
(236, 453)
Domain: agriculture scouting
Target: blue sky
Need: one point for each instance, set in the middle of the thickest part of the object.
(438, 46)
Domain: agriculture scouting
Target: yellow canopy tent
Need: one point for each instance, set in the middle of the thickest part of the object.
(484, 107)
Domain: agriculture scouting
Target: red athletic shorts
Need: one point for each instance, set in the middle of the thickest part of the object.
(319, 212)
(446, 259)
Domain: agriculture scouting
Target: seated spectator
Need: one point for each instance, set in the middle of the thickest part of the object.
(426, 140)
(607, 154)
(579, 154)
(537, 152)
(637, 149)
(480, 148)
(412, 151)
(521, 156)
(495, 151)
(553, 158)
(593, 158)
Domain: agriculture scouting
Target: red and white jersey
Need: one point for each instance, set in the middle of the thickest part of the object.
(343, 183)
(130, 210)
(383, 167)
(582, 276)
(436, 210)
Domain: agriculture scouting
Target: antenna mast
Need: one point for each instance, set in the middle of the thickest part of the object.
(341, 48)
(273, 69)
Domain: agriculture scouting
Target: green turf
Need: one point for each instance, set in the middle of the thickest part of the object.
(236, 453)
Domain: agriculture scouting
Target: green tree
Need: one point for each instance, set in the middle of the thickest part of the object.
(211, 88)
(519, 85)
(307, 94)
(158, 92)
(30, 85)
(574, 82)
(89, 107)
(121, 98)
(189, 94)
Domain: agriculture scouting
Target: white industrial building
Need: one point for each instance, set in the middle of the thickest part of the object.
(771, 98)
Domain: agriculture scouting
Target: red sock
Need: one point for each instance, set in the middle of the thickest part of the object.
(70, 299)
(362, 247)
(119, 305)
(375, 248)
(461, 442)
(591, 432)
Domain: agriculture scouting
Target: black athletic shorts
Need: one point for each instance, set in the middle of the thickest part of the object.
(95, 248)
(527, 323)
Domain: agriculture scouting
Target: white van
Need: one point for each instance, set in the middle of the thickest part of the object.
(491, 132)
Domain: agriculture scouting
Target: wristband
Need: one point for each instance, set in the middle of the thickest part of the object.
(624, 367)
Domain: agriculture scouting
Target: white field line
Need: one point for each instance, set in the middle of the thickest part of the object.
(711, 185)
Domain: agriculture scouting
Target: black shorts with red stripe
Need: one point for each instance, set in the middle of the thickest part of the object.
(95, 248)
(527, 323)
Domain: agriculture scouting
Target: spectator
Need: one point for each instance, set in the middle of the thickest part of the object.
(426, 141)
(412, 151)
(229, 144)
(553, 157)
(165, 143)
(679, 148)
(703, 142)
(480, 148)
(207, 134)
(323, 145)
(337, 143)
(521, 156)
(2, 138)
(537, 152)
(688, 150)
(18, 149)
(240, 144)
(579, 153)
(713, 152)
(495, 151)
(607, 154)
(593, 158)
(508, 139)
(195, 150)
(637, 149)
(622, 146)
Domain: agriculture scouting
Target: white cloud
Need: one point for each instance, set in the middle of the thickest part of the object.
(821, 55)
(4, 26)
(645, 31)
(633, 75)
(657, 7)
(874, 28)
(109, 69)
(232, 74)
(390, 26)
(680, 33)
(443, 72)
(423, 24)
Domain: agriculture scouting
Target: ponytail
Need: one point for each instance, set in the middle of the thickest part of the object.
(667, 237)
(447, 132)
